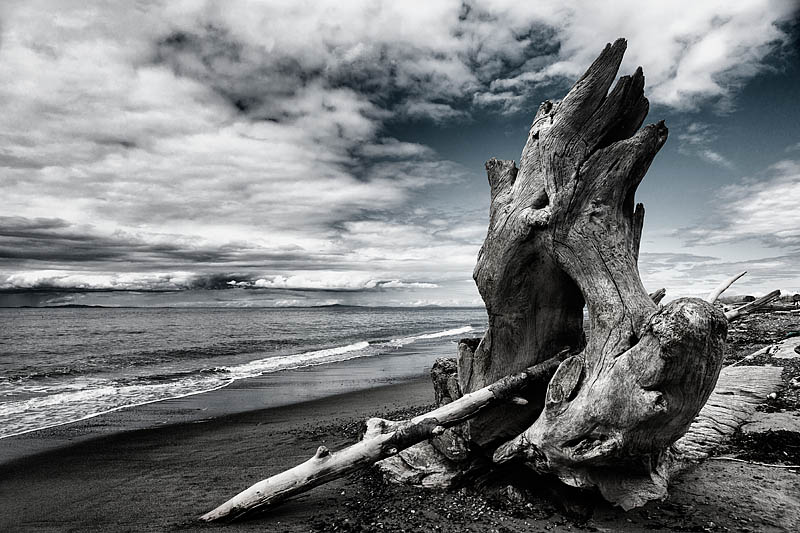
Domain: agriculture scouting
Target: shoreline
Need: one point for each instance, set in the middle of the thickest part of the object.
(267, 391)
(73, 390)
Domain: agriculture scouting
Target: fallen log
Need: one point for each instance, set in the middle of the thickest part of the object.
(752, 306)
(383, 438)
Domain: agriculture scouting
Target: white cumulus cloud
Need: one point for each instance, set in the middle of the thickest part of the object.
(764, 209)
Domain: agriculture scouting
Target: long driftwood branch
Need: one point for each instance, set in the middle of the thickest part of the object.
(722, 287)
(744, 309)
(752, 306)
(383, 439)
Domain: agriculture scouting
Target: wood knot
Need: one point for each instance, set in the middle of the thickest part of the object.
(322, 451)
(564, 385)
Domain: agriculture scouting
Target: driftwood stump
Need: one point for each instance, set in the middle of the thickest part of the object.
(564, 231)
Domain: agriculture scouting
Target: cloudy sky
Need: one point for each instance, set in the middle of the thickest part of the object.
(304, 153)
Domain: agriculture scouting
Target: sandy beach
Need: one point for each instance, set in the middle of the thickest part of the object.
(178, 457)
(157, 467)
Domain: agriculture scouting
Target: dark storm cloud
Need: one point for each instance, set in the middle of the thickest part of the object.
(213, 56)
(257, 81)
(54, 241)
(25, 227)
(51, 239)
(214, 281)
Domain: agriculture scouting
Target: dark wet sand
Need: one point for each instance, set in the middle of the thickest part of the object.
(161, 479)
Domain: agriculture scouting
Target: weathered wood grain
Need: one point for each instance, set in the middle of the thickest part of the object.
(564, 231)
(383, 439)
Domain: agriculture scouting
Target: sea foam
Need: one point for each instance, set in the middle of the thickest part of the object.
(90, 397)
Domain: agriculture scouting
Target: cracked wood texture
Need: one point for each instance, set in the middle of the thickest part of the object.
(738, 392)
(564, 232)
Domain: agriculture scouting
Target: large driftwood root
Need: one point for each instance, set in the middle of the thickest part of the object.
(564, 231)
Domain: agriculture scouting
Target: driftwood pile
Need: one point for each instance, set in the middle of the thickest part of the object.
(617, 408)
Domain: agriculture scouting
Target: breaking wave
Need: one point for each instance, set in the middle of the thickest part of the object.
(48, 405)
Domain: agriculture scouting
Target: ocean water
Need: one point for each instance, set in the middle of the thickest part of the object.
(60, 365)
